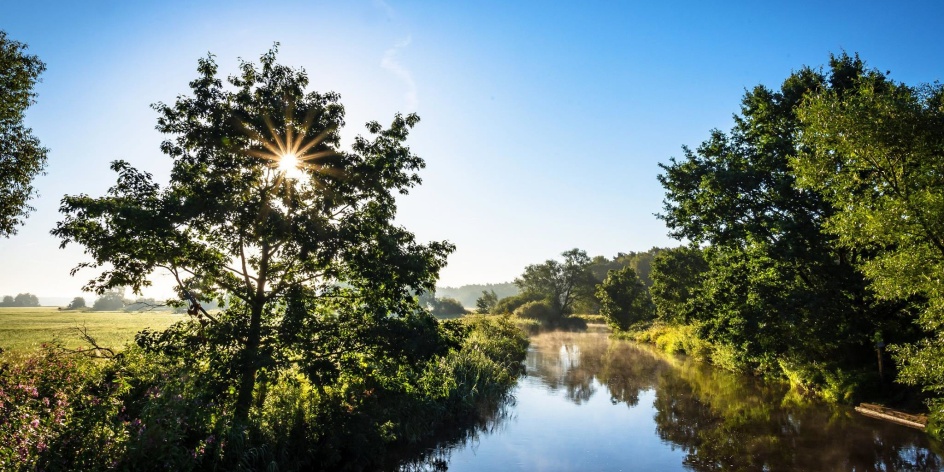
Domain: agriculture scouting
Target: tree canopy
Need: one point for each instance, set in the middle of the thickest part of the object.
(559, 283)
(875, 153)
(624, 299)
(21, 155)
(266, 212)
(775, 281)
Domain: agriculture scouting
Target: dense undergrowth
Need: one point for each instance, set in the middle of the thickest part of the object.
(146, 411)
(829, 381)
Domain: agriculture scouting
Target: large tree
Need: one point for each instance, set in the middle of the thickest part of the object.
(877, 156)
(265, 212)
(776, 284)
(559, 283)
(21, 156)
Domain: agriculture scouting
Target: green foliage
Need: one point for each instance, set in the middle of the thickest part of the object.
(110, 300)
(677, 275)
(675, 339)
(21, 155)
(147, 411)
(875, 152)
(508, 305)
(560, 284)
(773, 283)
(539, 310)
(486, 303)
(76, 303)
(447, 308)
(624, 300)
(20, 300)
(315, 275)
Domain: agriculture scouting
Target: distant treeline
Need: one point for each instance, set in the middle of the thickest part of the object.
(22, 299)
(468, 294)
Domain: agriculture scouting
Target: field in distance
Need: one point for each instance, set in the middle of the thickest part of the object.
(26, 329)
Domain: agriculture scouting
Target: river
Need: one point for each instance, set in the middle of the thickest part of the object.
(589, 403)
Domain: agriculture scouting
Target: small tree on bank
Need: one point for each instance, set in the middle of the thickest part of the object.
(76, 303)
(559, 283)
(624, 299)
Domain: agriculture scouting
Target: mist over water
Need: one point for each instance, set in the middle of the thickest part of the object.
(591, 403)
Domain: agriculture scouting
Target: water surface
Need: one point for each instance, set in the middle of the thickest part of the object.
(591, 403)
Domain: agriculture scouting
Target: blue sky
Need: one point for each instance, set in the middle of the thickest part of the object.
(543, 123)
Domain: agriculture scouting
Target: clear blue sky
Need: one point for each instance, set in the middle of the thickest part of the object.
(542, 122)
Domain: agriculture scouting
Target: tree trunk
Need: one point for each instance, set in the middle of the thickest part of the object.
(250, 365)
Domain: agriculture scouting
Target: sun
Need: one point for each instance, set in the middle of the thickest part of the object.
(291, 154)
(290, 165)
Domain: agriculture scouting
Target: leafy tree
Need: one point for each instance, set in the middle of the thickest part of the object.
(110, 300)
(486, 303)
(76, 303)
(21, 156)
(776, 286)
(560, 283)
(25, 299)
(677, 275)
(263, 207)
(7, 301)
(876, 156)
(624, 299)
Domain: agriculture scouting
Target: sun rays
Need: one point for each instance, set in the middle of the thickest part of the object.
(289, 152)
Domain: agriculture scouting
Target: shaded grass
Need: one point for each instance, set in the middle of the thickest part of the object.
(24, 330)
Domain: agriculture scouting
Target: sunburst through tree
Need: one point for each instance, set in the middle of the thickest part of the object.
(288, 150)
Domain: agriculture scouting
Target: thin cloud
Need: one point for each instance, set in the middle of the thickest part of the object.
(391, 63)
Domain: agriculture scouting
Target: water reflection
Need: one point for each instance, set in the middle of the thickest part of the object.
(631, 408)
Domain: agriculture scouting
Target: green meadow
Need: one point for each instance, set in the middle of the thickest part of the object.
(27, 329)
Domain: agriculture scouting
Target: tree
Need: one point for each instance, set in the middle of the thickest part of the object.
(559, 283)
(110, 300)
(21, 156)
(677, 275)
(76, 303)
(263, 207)
(8, 301)
(876, 156)
(776, 284)
(25, 299)
(486, 303)
(624, 299)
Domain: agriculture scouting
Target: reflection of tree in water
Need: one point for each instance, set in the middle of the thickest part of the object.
(434, 455)
(722, 421)
(729, 422)
(573, 360)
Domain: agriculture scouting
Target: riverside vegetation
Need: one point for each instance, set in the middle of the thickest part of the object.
(320, 355)
(815, 229)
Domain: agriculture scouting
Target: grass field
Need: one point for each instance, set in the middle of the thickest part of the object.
(26, 329)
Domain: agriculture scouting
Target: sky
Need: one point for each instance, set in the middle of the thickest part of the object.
(542, 123)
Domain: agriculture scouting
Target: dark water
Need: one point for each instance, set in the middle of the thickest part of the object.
(590, 403)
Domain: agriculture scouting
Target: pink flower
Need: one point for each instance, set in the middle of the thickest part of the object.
(34, 423)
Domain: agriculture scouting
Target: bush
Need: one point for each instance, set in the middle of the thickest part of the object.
(508, 305)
